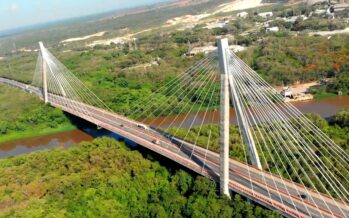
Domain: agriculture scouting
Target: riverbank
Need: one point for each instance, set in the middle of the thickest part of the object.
(302, 92)
(36, 132)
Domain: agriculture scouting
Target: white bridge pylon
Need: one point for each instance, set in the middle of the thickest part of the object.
(62, 87)
(47, 63)
(227, 81)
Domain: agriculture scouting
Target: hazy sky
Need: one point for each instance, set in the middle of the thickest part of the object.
(19, 13)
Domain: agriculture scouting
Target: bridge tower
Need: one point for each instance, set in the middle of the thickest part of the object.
(227, 82)
(44, 73)
(47, 64)
(224, 122)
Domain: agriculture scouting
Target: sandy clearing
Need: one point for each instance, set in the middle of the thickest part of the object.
(118, 40)
(238, 5)
(330, 33)
(84, 37)
(186, 19)
(228, 7)
(299, 88)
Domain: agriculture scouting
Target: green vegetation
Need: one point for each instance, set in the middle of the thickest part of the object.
(104, 178)
(337, 130)
(318, 24)
(311, 24)
(341, 82)
(23, 115)
(22, 134)
(342, 119)
(324, 95)
(339, 85)
(284, 60)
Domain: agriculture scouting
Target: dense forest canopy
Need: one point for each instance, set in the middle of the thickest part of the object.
(104, 178)
(286, 60)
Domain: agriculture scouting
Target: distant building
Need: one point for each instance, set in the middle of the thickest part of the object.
(287, 92)
(293, 18)
(320, 11)
(243, 14)
(273, 29)
(313, 2)
(215, 25)
(237, 48)
(266, 14)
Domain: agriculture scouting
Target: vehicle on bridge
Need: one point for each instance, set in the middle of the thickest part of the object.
(142, 126)
(156, 141)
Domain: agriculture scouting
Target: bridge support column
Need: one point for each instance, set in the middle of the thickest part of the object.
(44, 74)
(224, 116)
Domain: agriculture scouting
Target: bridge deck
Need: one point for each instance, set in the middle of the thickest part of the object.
(267, 189)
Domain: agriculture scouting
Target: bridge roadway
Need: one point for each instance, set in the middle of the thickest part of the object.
(260, 186)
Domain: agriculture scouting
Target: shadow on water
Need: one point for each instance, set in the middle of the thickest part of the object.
(93, 131)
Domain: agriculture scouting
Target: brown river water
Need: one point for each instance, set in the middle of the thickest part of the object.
(325, 107)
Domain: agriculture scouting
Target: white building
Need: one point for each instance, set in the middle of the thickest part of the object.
(243, 14)
(273, 29)
(320, 11)
(287, 92)
(293, 18)
(237, 48)
(313, 2)
(266, 14)
(215, 25)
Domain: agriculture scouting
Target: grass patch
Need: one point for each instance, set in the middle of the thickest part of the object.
(36, 132)
(324, 95)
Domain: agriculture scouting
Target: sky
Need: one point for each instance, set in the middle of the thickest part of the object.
(21, 13)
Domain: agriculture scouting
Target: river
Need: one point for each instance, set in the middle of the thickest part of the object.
(325, 107)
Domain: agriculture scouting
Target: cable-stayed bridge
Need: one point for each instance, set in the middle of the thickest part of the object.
(289, 164)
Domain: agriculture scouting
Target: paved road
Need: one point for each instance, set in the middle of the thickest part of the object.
(260, 186)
